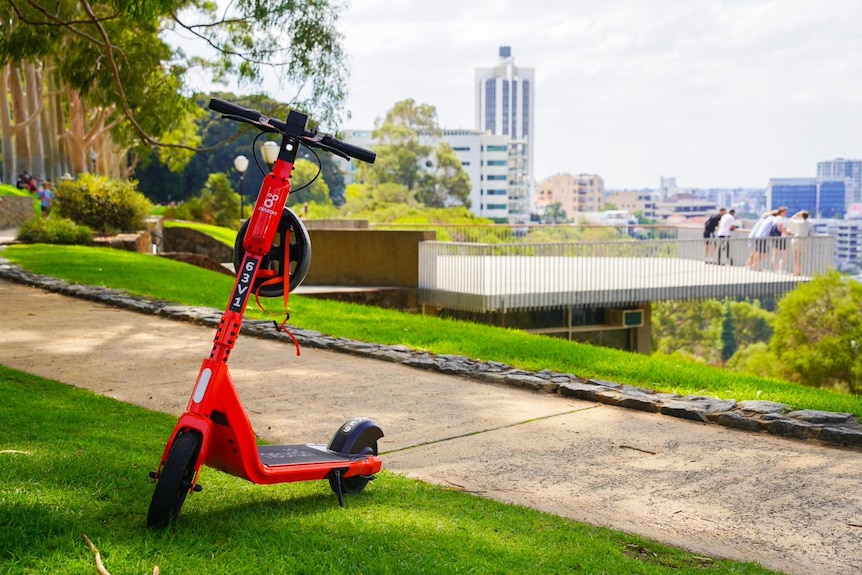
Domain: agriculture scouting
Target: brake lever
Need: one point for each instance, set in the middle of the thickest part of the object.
(258, 125)
(315, 141)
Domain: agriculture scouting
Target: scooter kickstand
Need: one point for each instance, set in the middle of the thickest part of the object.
(338, 492)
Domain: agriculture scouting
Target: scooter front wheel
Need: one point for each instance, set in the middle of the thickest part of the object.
(174, 481)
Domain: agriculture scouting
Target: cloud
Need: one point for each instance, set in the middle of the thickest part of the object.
(715, 92)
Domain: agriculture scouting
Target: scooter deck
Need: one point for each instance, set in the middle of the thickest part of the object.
(280, 455)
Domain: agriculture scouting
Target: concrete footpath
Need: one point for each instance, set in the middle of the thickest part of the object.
(790, 505)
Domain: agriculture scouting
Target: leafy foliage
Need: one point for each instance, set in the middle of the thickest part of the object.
(689, 328)
(410, 154)
(818, 333)
(728, 342)
(116, 55)
(102, 204)
(307, 185)
(712, 331)
(755, 359)
(54, 230)
(217, 204)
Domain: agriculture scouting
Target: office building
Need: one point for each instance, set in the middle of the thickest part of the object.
(575, 193)
(683, 206)
(486, 158)
(349, 168)
(848, 243)
(821, 197)
(505, 107)
(492, 162)
(634, 202)
(667, 188)
(840, 168)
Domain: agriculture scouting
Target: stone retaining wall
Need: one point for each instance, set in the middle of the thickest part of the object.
(15, 210)
(194, 242)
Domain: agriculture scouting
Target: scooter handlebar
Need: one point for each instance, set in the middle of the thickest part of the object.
(325, 141)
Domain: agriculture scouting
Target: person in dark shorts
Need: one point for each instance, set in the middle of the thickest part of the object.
(709, 235)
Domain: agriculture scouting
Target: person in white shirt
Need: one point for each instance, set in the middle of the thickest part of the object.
(800, 227)
(726, 224)
(758, 239)
(779, 245)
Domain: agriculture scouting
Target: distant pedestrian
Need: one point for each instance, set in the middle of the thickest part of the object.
(46, 197)
(709, 235)
(24, 180)
(726, 225)
(801, 228)
(779, 243)
(757, 240)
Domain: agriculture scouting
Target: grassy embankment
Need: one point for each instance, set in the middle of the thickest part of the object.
(164, 279)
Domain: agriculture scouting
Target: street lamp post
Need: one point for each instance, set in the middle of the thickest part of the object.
(241, 165)
(94, 155)
(269, 151)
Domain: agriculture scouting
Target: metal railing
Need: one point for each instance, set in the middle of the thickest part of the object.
(486, 277)
(541, 233)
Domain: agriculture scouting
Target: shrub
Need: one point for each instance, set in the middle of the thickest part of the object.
(104, 205)
(54, 230)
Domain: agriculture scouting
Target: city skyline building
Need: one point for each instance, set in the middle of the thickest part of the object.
(505, 96)
(575, 194)
(821, 197)
(486, 158)
(634, 202)
(848, 242)
(491, 162)
(842, 168)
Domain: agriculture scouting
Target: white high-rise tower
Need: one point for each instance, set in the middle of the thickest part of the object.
(505, 106)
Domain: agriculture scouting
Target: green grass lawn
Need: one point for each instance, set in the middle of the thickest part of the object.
(8, 190)
(173, 281)
(224, 235)
(73, 463)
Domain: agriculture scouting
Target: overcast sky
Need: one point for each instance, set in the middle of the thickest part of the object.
(717, 93)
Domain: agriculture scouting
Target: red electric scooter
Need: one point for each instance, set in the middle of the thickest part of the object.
(272, 255)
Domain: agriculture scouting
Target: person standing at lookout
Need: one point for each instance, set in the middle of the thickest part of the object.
(726, 225)
(801, 228)
(779, 234)
(757, 238)
(709, 235)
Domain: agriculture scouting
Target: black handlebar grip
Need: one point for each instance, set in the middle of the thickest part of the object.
(354, 151)
(224, 107)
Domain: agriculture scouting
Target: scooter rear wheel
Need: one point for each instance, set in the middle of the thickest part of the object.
(174, 481)
(355, 484)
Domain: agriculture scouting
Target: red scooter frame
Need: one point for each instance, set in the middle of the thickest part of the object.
(215, 429)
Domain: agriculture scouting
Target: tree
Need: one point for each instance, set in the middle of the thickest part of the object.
(751, 323)
(118, 76)
(410, 153)
(445, 182)
(306, 185)
(224, 202)
(216, 203)
(818, 333)
(728, 341)
(555, 214)
(692, 328)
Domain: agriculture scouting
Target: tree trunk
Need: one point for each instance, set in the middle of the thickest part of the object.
(6, 129)
(75, 135)
(53, 155)
(19, 114)
(34, 92)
